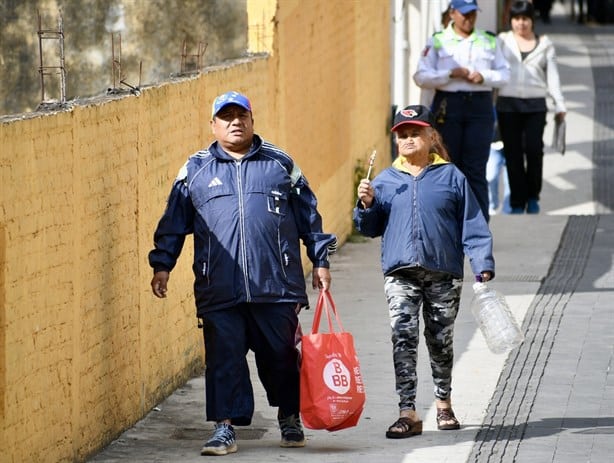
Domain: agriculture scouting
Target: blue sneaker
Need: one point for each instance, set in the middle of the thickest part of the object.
(222, 442)
(517, 210)
(291, 431)
(533, 206)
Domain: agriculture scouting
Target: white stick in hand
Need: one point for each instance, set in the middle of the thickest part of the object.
(371, 162)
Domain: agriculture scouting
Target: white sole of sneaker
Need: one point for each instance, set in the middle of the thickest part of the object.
(219, 451)
(291, 444)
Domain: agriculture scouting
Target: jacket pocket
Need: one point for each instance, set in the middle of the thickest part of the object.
(277, 203)
(213, 200)
(484, 59)
(446, 59)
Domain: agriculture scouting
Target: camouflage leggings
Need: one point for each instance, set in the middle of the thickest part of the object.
(439, 295)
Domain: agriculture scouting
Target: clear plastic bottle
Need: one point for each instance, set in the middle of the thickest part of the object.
(495, 319)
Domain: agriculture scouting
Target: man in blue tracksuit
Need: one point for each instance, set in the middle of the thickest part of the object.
(248, 206)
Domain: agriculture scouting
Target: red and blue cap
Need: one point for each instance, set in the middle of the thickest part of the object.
(227, 98)
(413, 115)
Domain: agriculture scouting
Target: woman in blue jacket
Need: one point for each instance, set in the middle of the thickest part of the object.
(428, 218)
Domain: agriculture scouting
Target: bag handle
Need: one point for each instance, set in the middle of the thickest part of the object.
(325, 302)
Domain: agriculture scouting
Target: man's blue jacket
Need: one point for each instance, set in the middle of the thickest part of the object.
(248, 217)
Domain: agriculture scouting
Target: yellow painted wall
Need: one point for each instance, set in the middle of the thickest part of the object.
(85, 348)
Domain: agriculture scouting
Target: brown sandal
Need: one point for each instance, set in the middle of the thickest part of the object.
(408, 428)
(443, 416)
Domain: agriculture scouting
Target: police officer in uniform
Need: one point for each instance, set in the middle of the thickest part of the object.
(463, 64)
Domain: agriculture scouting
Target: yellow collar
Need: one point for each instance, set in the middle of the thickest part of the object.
(398, 162)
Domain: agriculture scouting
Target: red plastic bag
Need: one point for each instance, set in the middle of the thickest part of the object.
(332, 391)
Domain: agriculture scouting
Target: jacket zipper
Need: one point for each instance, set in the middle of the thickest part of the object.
(242, 243)
(415, 211)
(283, 257)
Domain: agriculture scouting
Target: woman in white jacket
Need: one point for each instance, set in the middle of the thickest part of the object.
(521, 105)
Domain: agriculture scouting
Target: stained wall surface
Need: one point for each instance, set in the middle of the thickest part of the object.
(85, 348)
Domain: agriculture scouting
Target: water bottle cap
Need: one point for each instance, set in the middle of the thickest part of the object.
(478, 286)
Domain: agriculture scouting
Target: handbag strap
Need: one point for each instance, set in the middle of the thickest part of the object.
(325, 302)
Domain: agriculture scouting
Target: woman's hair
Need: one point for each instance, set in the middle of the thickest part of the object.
(522, 8)
(445, 17)
(438, 146)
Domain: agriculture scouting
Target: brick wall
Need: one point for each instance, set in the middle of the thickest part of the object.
(85, 348)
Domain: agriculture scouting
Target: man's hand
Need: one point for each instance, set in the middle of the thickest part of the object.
(159, 282)
(321, 278)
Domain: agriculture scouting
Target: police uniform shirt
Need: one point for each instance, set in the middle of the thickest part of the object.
(447, 50)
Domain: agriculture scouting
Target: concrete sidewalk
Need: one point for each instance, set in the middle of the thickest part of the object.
(552, 399)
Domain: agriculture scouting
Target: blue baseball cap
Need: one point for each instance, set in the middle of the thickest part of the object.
(227, 98)
(464, 6)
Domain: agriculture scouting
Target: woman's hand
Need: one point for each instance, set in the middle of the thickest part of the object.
(365, 193)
